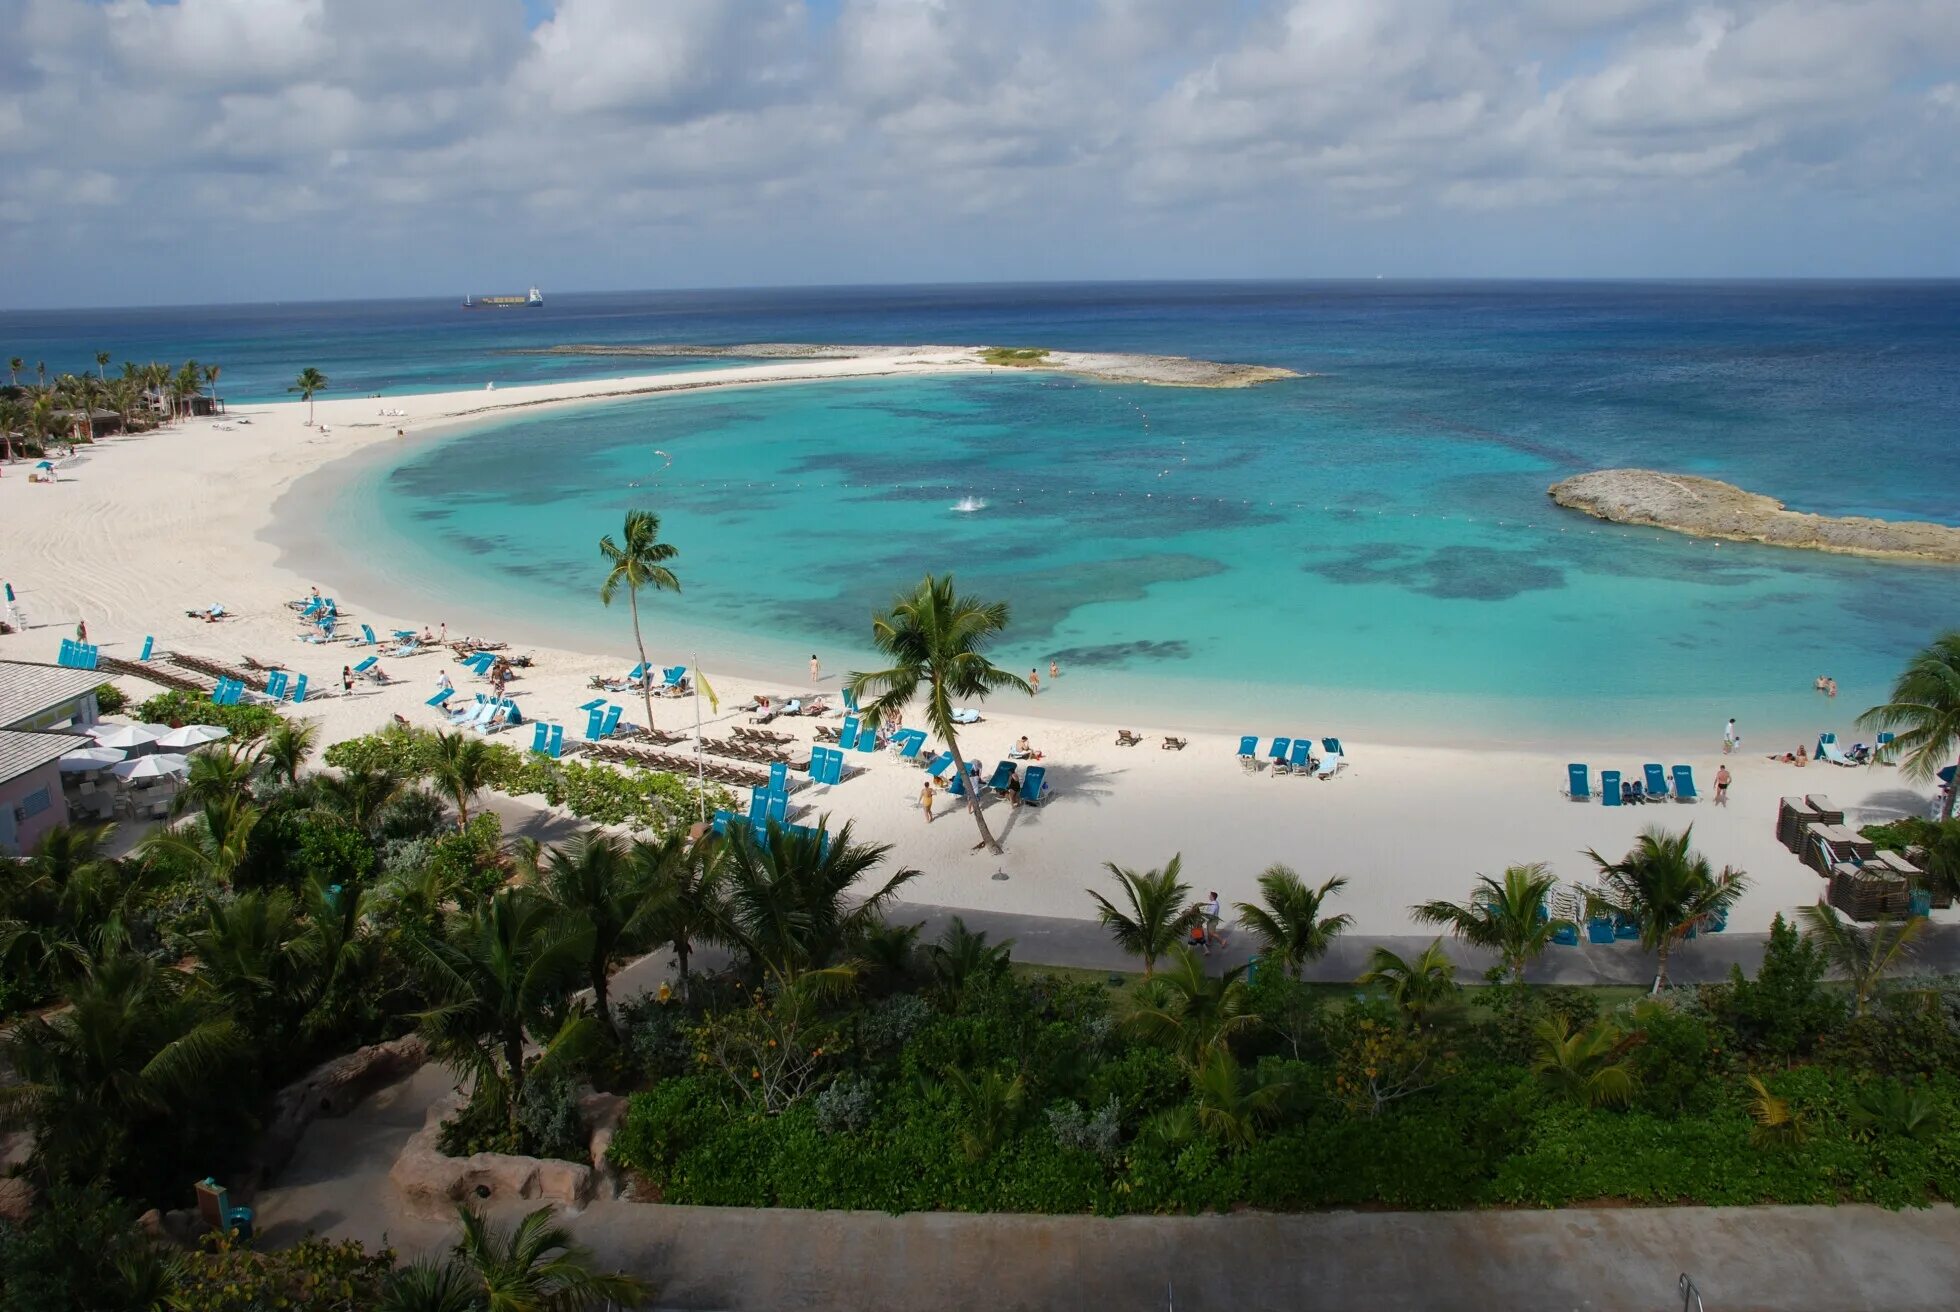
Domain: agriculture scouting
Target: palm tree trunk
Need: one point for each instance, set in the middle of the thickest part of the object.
(514, 1059)
(646, 675)
(600, 1003)
(681, 950)
(972, 797)
(1660, 975)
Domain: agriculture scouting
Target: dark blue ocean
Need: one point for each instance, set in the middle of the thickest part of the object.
(1368, 545)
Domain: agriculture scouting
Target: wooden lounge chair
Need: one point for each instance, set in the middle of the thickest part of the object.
(1124, 738)
(1171, 744)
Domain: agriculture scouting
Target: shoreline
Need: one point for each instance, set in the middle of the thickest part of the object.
(144, 527)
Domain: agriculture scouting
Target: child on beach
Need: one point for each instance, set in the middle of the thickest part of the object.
(1730, 738)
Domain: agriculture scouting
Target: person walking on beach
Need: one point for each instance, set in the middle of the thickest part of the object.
(1214, 915)
(1730, 738)
(1722, 786)
(81, 630)
(925, 800)
(347, 680)
(442, 682)
(816, 668)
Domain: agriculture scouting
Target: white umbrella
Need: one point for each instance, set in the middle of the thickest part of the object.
(193, 735)
(151, 767)
(84, 759)
(125, 735)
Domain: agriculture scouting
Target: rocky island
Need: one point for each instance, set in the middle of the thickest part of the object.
(1708, 508)
(1155, 370)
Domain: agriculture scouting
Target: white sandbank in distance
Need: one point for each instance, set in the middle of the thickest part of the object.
(141, 529)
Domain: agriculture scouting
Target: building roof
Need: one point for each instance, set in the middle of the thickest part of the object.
(21, 752)
(27, 688)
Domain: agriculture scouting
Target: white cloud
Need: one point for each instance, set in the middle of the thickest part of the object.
(241, 128)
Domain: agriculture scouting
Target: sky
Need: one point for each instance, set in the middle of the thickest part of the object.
(245, 150)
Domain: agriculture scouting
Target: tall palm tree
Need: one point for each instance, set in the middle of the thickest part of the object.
(1160, 911)
(684, 878)
(14, 366)
(1865, 956)
(188, 386)
(937, 639)
(211, 372)
(1508, 917)
(155, 377)
(102, 365)
(534, 1267)
(287, 747)
(500, 976)
(462, 768)
(1666, 888)
(1290, 921)
(1590, 1066)
(309, 382)
(1193, 1011)
(593, 882)
(783, 900)
(638, 561)
(1924, 712)
(1421, 987)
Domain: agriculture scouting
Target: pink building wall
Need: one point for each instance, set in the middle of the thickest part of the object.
(29, 807)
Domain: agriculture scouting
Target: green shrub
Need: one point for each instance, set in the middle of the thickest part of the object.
(110, 700)
(314, 1275)
(1674, 1058)
(549, 1122)
(1785, 1010)
(178, 707)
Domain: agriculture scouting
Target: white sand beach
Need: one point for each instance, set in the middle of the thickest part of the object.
(140, 529)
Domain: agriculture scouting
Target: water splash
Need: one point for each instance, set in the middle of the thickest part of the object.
(967, 505)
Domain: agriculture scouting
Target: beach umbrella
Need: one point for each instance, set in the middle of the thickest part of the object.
(192, 735)
(84, 759)
(45, 464)
(125, 735)
(159, 766)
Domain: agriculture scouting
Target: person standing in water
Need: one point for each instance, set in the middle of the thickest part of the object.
(1054, 669)
(1034, 680)
(1730, 738)
(816, 668)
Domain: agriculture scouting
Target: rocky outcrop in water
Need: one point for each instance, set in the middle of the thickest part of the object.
(1708, 508)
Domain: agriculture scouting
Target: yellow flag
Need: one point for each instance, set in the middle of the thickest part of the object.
(708, 688)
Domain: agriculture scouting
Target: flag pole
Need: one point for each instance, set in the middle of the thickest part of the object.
(700, 784)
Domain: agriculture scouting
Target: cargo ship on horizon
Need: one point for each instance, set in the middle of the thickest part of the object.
(530, 300)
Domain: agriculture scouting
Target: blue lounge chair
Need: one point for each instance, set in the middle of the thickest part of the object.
(779, 778)
(594, 704)
(275, 684)
(867, 737)
(834, 767)
(299, 689)
(758, 803)
(958, 787)
(907, 742)
(1609, 787)
(1599, 929)
(637, 673)
(367, 637)
(1578, 783)
(1033, 786)
(1331, 758)
(850, 701)
(1301, 761)
(848, 735)
(1566, 935)
(1656, 780)
(778, 808)
(606, 726)
(556, 748)
(541, 737)
(1279, 750)
(595, 719)
(1624, 928)
(481, 663)
(1684, 784)
(442, 695)
(1249, 749)
(150, 642)
(674, 676)
(997, 782)
(409, 648)
(940, 764)
(1885, 736)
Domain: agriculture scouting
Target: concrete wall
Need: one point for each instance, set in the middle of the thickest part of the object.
(30, 806)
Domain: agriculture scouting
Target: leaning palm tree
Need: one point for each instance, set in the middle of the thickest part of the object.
(1924, 712)
(1666, 889)
(1160, 911)
(783, 900)
(1865, 956)
(534, 1267)
(1508, 918)
(593, 883)
(309, 382)
(462, 768)
(1290, 921)
(638, 561)
(1421, 987)
(937, 640)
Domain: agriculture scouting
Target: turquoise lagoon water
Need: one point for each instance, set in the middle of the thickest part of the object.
(1298, 557)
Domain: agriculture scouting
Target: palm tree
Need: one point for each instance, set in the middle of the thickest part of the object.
(217, 776)
(534, 1267)
(938, 640)
(1228, 1102)
(286, 748)
(462, 768)
(214, 842)
(502, 974)
(188, 385)
(1290, 921)
(990, 1107)
(1865, 956)
(1160, 911)
(253, 958)
(1779, 1122)
(592, 882)
(1925, 714)
(211, 372)
(1193, 1011)
(1666, 889)
(962, 955)
(360, 796)
(684, 879)
(1508, 918)
(65, 904)
(14, 366)
(310, 381)
(640, 563)
(1590, 1066)
(113, 1067)
(1421, 988)
(102, 365)
(783, 900)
